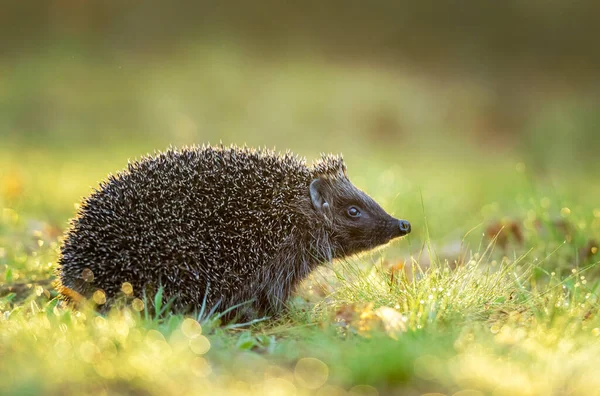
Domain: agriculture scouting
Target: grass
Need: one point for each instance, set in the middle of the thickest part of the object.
(518, 319)
(495, 291)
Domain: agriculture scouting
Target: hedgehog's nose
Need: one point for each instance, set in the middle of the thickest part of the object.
(404, 227)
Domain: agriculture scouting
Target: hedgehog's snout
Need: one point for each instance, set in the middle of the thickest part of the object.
(398, 228)
(404, 226)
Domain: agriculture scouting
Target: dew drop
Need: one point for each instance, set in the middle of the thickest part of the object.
(199, 345)
(87, 275)
(137, 304)
(99, 297)
(191, 328)
(127, 288)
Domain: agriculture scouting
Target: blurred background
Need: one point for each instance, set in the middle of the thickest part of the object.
(444, 110)
(477, 121)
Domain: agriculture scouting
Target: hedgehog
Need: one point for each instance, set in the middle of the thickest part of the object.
(218, 227)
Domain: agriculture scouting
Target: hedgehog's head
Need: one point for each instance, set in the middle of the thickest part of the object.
(357, 222)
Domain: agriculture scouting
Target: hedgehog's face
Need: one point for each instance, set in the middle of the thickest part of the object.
(358, 223)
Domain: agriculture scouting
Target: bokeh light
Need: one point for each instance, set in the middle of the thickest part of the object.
(311, 373)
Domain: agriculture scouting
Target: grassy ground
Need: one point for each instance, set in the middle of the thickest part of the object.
(495, 292)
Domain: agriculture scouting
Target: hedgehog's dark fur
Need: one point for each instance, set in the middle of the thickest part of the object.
(227, 225)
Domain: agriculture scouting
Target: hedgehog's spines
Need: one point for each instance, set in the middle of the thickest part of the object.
(329, 166)
(148, 218)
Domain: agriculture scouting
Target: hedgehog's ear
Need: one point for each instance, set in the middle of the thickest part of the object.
(317, 197)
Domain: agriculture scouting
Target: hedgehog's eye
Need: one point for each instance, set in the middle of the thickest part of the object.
(353, 211)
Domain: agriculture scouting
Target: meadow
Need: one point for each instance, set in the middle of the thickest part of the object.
(495, 292)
